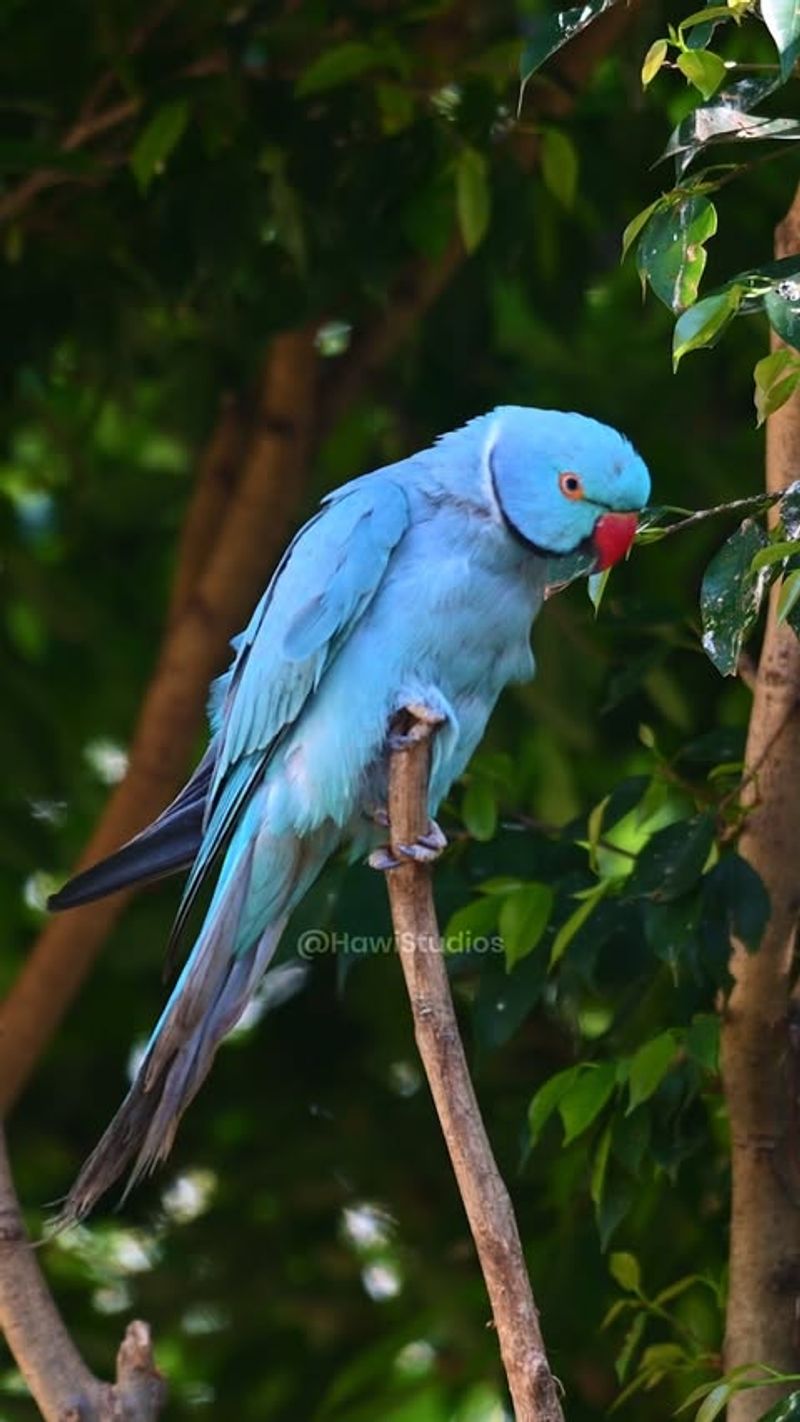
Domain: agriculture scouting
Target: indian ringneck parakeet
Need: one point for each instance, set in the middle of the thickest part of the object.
(411, 587)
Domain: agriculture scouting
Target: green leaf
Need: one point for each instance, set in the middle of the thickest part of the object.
(549, 32)
(790, 511)
(789, 595)
(576, 920)
(624, 1269)
(702, 1040)
(704, 70)
(671, 254)
(286, 208)
(470, 925)
(653, 61)
(599, 1167)
(735, 898)
(636, 224)
(547, 1099)
(782, 305)
(559, 164)
(596, 586)
(631, 1342)
(473, 200)
(774, 553)
(585, 1098)
(731, 596)
(342, 63)
(479, 809)
(673, 859)
(396, 106)
(704, 322)
(649, 1067)
(523, 919)
(723, 122)
(157, 141)
(714, 1403)
(787, 1410)
(782, 19)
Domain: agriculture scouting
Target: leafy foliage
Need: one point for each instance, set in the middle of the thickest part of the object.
(274, 168)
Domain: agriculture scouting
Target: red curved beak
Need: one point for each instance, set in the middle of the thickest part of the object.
(613, 535)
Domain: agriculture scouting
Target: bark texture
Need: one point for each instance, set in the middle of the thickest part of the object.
(486, 1201)
(61, 1384)
(759, 1042)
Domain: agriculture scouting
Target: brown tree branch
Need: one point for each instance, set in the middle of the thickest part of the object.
(486, 1201)
(252, 535)
(217, 478)
(757, 1048)
(59, 1381)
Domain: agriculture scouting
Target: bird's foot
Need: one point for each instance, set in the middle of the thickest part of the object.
(423, 851)
(414, 723)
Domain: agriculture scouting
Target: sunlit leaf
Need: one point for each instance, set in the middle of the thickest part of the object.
(728, 118)
(636, 224)
(547, 33)
(787, 1410)
(731, 596)
(782, 305)
(704, 70)
(789, 595)
(714, 1403)
(671, 254)
(776, 378)
(703, 323)
(782, 19)
(653, 61)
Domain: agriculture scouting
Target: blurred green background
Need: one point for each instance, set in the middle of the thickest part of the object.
(304, 1253)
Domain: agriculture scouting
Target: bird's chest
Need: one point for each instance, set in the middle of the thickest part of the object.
(469, 624)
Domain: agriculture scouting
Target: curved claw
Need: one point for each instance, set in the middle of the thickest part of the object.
(423, 851)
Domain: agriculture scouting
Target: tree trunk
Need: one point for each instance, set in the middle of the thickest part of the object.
(763, 1323)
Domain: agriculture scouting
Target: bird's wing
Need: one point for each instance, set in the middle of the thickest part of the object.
(325, 582)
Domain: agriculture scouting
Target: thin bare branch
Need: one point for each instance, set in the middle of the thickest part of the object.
(60, 1383)
(486, 1201)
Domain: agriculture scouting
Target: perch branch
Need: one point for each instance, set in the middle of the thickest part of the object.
(486, 1200)
(59, 1381)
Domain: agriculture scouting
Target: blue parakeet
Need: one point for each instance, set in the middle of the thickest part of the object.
(414, 586)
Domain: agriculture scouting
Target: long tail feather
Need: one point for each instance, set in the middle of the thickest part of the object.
(168, 845)
(213, 990)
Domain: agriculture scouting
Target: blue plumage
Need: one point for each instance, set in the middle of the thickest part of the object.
(414, 585)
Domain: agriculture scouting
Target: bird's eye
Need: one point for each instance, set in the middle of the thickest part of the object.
(571, 485)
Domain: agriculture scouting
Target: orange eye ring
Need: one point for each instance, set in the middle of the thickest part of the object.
(571, 485)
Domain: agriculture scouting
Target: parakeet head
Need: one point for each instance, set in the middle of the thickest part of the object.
(564, 483)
